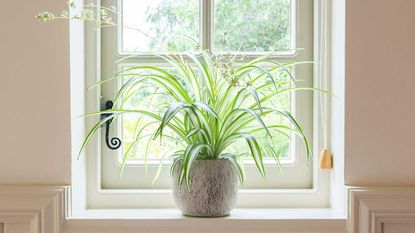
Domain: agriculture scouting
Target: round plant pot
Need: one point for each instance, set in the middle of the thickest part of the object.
(213, 189)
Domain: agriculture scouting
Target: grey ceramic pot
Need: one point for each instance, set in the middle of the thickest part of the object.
(213, 189)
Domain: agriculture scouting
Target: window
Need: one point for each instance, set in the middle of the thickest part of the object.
(243, 28)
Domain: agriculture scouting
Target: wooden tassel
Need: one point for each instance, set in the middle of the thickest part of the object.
(326, 159)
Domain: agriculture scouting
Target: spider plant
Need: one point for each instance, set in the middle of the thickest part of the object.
(209, 103)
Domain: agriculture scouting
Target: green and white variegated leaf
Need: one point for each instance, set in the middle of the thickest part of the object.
(208, 106)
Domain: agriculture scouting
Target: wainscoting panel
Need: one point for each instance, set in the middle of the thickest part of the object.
(381, 210)
(398, 228)
(31, 209)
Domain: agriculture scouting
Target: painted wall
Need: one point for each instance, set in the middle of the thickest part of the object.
(380, 92)
(34, 90)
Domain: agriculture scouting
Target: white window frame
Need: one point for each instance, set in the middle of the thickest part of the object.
(95, 196)
(295, 167)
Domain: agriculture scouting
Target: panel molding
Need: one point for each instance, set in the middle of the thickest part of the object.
(45, 209)
(32, 209)
(371, 208)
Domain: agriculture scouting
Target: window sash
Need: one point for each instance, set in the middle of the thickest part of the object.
(109, 170)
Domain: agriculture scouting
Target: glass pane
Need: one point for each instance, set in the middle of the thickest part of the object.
(252, 25)
(159, 26)
(280, 139)
(138, 130)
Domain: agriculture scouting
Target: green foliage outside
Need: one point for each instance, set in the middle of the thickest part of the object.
(268, 30)
(239, 25)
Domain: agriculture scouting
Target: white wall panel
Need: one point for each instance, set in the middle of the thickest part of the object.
(380, 92)
(399, 228)
(31, 209)
(377, 210)
(17, 228)
(34, 94)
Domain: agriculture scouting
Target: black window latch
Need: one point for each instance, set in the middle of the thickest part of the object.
(113, 143)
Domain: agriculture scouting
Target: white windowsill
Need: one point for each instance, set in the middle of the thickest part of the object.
(261, 214)
(240, 220)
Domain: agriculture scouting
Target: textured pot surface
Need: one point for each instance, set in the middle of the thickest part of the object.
(213, 189)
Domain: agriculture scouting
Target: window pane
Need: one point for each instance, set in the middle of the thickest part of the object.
(138, 130)
(252, 25)
(170, 25)
(280, 138)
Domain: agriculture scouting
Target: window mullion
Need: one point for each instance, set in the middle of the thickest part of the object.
(206, 24)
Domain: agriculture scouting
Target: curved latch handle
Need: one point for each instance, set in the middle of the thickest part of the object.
(113, 143)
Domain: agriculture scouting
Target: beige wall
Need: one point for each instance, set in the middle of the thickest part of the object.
(34, 90)
(380, 92)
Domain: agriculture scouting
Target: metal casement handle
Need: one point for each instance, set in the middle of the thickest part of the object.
(113, 143)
